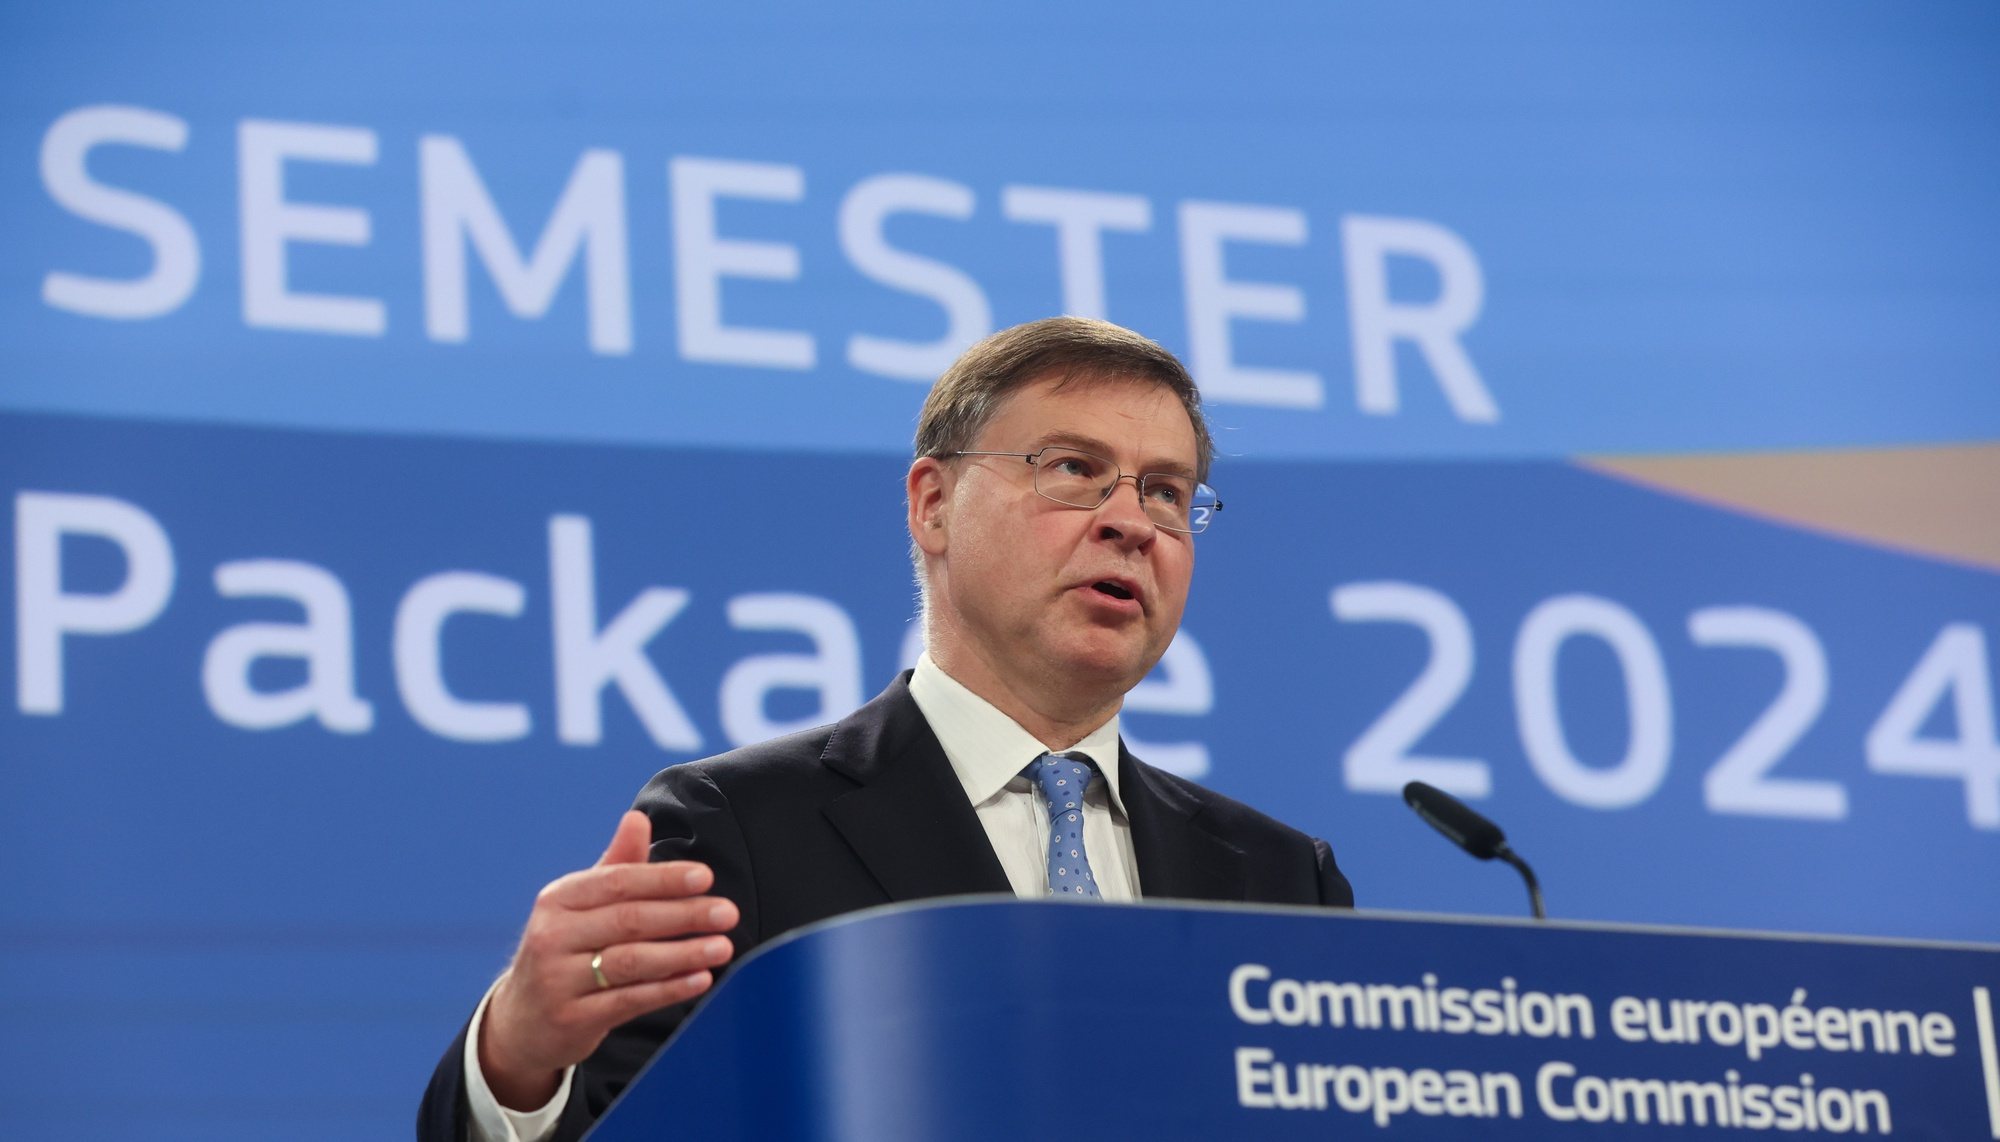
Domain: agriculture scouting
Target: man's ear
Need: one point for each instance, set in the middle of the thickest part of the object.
(928, 487)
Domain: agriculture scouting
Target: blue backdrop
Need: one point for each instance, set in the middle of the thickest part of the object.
(420, 425)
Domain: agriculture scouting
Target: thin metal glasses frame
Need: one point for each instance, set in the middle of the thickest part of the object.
(1033, 460)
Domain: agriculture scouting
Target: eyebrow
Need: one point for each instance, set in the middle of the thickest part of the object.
(1063, 439)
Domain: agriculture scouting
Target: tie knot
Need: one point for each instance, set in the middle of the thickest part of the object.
(1063, 778)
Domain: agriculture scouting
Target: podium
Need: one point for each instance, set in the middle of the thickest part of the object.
(995, 1019)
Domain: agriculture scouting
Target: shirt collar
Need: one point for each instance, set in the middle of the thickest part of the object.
(986, 748)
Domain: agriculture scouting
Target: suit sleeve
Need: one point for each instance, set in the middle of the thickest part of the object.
(1334, 891)
(443, 1115)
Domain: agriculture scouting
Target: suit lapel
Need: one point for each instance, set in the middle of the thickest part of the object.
(908, 821)
(1177, 857)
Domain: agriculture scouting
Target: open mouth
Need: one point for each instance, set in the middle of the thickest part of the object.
(1112, 589)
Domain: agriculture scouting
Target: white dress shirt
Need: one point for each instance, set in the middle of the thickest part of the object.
(987, 750)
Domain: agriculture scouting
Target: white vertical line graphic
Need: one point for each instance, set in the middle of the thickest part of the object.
(1989, 1057)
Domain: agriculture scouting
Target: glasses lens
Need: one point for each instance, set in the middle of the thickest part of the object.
(1179, 503)
(1082, 480)
(1074, 478)
(1201, 512)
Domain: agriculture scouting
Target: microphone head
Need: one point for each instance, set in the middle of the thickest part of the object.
(1448, 815)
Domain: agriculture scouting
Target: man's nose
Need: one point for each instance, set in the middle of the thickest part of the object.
(1122, 518)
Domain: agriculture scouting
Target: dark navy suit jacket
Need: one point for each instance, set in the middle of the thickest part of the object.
(869, 811)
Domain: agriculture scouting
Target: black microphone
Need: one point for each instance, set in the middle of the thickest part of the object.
(1471, 832)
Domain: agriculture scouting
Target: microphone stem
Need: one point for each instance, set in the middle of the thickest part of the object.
(1527, 874)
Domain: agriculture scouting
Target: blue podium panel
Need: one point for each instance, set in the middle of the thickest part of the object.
(971, 1020)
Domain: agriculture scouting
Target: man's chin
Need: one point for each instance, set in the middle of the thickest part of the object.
(1116, 668)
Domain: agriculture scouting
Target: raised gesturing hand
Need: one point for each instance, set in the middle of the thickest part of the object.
(602, 946)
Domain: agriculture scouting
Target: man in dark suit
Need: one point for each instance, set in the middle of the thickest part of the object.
(1050, 589)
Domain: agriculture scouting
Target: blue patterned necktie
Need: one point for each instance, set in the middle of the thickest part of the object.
(1063, 778)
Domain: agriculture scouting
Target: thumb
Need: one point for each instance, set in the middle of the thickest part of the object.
(630, 843)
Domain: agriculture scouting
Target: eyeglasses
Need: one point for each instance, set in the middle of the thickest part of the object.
(1081, 480)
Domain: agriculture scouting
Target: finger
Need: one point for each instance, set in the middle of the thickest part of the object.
(630, 921)
(630, 842)
(624, 965)
(621, 1004)
(609, 883)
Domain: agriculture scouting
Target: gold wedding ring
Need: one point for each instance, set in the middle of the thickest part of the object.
(597, 970)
